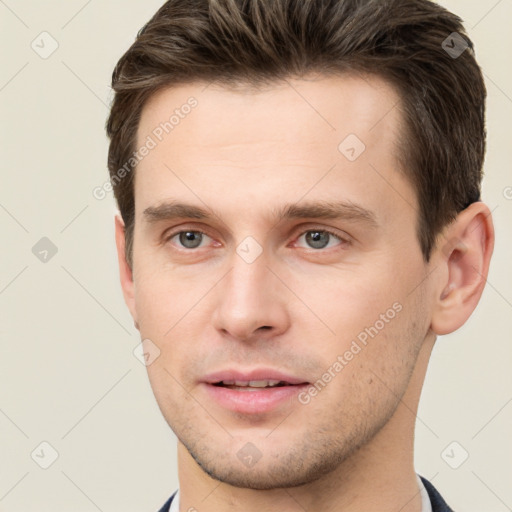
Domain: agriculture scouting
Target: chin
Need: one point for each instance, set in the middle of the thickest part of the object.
(292, 469)
(263, 479)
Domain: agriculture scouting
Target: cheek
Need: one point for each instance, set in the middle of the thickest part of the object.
(349, 302)
(154, 308)
(378, 327)
(165, 295)
(171, 309)
(376, 364)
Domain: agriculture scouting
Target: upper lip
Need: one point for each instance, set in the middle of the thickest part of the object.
(254, 374)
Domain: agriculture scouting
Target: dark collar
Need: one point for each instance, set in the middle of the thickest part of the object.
(167, 505)
(438, 504)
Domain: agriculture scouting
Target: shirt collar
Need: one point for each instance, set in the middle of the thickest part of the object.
(175, 504)
(426, 506)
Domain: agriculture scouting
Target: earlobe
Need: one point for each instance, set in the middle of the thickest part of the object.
(464, 253)
(125, 270)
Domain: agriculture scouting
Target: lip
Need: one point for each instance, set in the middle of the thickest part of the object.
(261, 400)
(255, 374)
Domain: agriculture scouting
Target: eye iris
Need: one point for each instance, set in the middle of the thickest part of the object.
(191, 239)
(317, 239)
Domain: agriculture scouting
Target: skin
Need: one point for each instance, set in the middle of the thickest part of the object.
(245, 153)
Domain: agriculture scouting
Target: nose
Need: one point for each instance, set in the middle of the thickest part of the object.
(251, 302)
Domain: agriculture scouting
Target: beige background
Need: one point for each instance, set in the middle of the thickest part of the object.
(68, 373)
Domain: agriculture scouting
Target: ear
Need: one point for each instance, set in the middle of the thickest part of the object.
(464, 253)
(125, 270)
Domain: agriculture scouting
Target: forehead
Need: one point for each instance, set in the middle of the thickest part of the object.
(274, 143)
(310, 108)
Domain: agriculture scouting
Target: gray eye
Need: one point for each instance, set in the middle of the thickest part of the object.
(190, 239)
(317, 239)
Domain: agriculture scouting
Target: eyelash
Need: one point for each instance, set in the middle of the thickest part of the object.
(343, 241)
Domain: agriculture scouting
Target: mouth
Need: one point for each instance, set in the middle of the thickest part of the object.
(253, 392)
(252, 385)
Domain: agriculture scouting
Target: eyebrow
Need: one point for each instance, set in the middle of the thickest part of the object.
(333, 210)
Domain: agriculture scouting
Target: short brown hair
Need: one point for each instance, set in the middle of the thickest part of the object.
(406, 42)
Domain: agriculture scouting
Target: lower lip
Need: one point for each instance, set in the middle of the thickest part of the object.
(253, 402)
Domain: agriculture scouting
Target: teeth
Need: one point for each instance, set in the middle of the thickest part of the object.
(251, 383)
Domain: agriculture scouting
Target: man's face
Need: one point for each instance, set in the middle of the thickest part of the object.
(259, 296)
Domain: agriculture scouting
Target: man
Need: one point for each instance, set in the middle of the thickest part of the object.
(299, 190)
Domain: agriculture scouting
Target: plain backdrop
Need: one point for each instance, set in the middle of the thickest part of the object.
(69, 377)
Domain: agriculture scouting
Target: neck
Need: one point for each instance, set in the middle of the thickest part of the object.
(378, 477)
